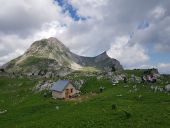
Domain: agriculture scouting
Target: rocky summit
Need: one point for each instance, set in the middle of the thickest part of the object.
(50, 55)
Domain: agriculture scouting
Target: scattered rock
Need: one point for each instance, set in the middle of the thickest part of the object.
(130, 91)
(135, 89)
(78, 83)
(140, 96)
(119, 95)
(167, 87)
(3, 111)
(126, 86)
(134, 86)
(43, 85)
(57, 107)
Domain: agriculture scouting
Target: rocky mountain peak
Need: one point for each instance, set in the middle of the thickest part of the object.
(50, 42)
(52, 55)
(102, 56)
(47, 48)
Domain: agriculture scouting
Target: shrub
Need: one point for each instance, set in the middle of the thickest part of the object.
(127, 114)
(114, 106)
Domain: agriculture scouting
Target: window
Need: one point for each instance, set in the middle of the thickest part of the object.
(71, 90)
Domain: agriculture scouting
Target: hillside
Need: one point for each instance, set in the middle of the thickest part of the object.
(141, 108)
(50, 55)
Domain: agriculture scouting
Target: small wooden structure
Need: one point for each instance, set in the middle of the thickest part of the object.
(63, 89)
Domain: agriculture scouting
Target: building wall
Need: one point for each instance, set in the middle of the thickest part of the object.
(69, 87)
(59, 95)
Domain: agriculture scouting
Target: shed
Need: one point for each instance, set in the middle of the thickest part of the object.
(63, 89)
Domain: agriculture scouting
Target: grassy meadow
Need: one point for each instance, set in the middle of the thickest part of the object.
(118, 106)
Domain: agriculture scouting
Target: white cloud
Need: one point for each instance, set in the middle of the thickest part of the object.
(24, 17)
(12, 46)
(157, 12)
(127, 54)
(90, 8)
(11, 56)
(157, 35)
(50, 29)
(164, 68)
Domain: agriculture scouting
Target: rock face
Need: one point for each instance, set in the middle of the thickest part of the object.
(50, 56)
(101, 61)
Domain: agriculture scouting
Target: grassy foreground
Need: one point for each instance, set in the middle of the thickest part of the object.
(133, 109)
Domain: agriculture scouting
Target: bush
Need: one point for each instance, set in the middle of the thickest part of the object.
(127, 114)
(46, 93)
(114, 106)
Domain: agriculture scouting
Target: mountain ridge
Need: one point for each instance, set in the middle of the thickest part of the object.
(52, 55)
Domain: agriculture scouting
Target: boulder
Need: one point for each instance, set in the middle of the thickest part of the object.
(43, 85)
(167, 87)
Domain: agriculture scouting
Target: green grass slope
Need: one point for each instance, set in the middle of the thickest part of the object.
(140, 109)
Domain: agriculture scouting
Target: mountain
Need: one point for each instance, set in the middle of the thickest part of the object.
(50, 55)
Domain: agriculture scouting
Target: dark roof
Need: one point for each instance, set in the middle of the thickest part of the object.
(59, 85)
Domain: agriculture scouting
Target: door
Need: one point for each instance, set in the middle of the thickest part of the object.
(67, 93)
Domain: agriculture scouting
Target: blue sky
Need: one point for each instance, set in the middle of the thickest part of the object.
(134, 32)
(143, 24)
(68, 8)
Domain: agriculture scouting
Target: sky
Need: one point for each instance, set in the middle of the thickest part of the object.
(135, 32)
